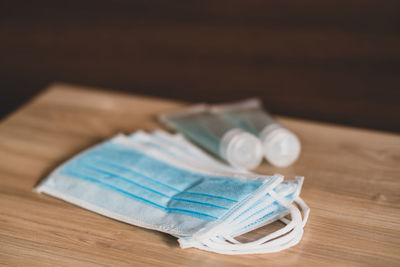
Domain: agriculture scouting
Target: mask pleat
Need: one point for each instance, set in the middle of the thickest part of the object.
(148, 180)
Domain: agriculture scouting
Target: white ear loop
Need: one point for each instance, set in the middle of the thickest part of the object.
(305, 208)
(223, 226)
(264, 213)
(261, 213)
(296, 220)
(262, 245)
(279, 240)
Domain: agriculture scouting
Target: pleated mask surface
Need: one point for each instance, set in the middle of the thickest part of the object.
(136, 184)
(275, 205)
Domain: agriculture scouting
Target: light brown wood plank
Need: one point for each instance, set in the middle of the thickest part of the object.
(352, 186)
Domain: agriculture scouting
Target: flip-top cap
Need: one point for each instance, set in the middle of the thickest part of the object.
(241, 149)
(281, 147)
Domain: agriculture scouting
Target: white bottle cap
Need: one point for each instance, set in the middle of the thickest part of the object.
(281, 147)
(241, 149)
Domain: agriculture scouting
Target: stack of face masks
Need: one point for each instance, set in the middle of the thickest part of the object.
(161, 181)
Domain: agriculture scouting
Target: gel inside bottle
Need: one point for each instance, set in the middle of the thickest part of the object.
(218, 136)
(281, 146)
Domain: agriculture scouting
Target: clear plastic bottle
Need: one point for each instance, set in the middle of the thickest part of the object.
(217, 135)
(281, 146)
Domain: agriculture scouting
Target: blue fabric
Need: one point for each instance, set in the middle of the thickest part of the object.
(131, 184)
(147, 179)
(154, 194)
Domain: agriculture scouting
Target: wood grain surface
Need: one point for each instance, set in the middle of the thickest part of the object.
(352, 185)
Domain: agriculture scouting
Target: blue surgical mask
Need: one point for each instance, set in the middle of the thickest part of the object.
(139, 183)
(265, 211)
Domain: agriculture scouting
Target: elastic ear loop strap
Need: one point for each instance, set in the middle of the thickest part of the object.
(293, 225)
(257, 246)
(290, 224)
(260, 245)
(283, 201)
(297, 235)
(273, 246)
(304, 207)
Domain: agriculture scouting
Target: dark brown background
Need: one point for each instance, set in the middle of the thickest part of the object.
(336, 61)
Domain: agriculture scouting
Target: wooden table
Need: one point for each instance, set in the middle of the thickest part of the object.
(352, 186)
